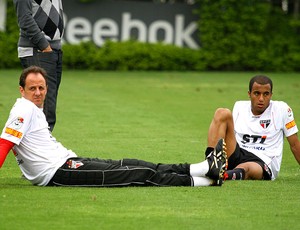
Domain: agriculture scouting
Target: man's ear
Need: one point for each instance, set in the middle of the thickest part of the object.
(21, 90)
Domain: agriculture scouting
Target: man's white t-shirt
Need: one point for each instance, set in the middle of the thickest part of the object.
(263, 135)
(37, 152)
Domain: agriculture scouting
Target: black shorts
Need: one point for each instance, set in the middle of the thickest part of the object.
(240, 156)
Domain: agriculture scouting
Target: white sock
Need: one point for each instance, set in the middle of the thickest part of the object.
(199, 169)
(202, 181)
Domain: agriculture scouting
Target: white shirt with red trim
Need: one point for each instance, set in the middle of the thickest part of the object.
(263, 135)
(37, 152)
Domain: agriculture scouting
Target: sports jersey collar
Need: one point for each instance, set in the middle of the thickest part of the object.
(259, 116)
(28, 101)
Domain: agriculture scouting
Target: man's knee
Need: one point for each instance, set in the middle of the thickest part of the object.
(136, 162)
(222, 114)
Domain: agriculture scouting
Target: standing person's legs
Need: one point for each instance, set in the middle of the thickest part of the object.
(51, 62)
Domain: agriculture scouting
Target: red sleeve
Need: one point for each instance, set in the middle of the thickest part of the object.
(5, 147)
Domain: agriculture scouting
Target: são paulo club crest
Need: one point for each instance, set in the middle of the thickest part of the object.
(17, 123)
(265, 123)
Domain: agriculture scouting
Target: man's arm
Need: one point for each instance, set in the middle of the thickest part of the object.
(28, 25)
(5, 147)
(295, 146)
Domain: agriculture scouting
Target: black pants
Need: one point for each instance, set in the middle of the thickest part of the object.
(52, 63)
(126, 172)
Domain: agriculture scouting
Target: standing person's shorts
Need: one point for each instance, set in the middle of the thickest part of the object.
(240, 156)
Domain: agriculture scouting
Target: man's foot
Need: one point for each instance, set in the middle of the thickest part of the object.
(218, 182)
(217, 161)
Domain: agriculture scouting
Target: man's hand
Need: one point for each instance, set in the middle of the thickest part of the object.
(48, 49)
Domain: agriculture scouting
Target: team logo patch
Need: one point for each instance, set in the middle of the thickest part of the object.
(13, 132)
(265, 123)
(17, 123)
(74, 164)
(290, 124)
(290, 112)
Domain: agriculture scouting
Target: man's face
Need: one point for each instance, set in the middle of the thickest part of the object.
(35, 89)
(260, 97)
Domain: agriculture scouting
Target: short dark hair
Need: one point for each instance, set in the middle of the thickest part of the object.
(31, 69)
(262, 80)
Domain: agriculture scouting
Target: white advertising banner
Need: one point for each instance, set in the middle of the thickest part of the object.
(116, 20)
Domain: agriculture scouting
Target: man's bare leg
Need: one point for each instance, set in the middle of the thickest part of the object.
(222, 127)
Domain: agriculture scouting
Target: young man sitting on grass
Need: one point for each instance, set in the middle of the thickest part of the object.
(254, 133)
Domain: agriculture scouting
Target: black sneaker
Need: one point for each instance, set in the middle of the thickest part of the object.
(217, 161)
(218, 182)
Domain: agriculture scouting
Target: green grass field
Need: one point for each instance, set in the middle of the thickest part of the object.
(159, 117)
